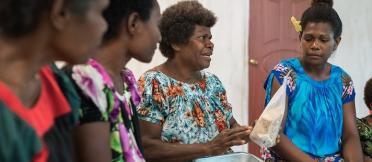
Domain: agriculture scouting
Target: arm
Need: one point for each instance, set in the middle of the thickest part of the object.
(156, 150)
(285, 148)
(228, 110)
(351, 148)
(92, 136)
(92, 142)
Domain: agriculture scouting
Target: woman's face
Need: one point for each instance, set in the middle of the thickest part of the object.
(318, 43)
(81, 34)
(199, 49)
(144, 40)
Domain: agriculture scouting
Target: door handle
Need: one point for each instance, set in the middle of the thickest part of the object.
(253, 62)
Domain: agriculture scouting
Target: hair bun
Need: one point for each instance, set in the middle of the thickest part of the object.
(322, 2)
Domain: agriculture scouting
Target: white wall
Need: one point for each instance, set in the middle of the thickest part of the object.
(355, 51)
(230, 35)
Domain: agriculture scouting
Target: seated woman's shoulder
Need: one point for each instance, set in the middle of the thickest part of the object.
(151, 74)
(153, 77)
(208, 76)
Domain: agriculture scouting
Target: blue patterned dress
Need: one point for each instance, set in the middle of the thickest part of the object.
(188, 113)
(315, 109)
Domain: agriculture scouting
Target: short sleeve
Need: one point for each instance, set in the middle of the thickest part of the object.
(69, 90)
(152, 107)
(279, 72)
(221, 97)
(348, 91)
(88, 110)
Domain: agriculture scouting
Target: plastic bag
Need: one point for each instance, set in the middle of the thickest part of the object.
(268, 124)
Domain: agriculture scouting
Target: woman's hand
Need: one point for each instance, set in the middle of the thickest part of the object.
(238, 135)
(157, 150)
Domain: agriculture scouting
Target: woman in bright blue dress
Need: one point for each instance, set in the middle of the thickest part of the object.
(320, 123)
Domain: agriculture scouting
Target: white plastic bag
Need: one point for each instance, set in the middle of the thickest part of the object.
(268, 124)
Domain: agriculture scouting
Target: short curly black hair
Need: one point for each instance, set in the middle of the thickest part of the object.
(178, 24)
(322, 11)
(20, 17)
(368, 93)
(119, 10)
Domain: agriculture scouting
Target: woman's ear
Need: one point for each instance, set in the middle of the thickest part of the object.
(338, 40)
(176, 47)
(133, 23)
(59, 15)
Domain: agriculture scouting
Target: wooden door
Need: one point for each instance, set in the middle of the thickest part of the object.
(271, 39)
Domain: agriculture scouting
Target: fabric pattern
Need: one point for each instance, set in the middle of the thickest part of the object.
(101, 102)
(365, 134)
(314, 107)
(270, 156)
(188, 113)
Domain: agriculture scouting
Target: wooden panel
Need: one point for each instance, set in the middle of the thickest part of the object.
(272, 38)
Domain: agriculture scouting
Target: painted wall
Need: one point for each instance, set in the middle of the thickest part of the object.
(355, 51)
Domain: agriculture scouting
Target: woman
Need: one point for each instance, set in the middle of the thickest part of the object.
(184, 111)
(37, 103)
(365, 124)
(320, 123)
(109, 128)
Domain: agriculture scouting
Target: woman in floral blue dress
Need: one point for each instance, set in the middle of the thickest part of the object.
(109, 126)
(184, 113)
(320, 124)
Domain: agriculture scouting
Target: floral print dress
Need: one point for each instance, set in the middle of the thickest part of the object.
(188, 113)
(365, 134)
(101, 102)
(315, 109)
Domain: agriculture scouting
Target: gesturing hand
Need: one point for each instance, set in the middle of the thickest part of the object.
(228, 138)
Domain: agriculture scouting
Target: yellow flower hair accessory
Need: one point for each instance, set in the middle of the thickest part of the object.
(296, 24)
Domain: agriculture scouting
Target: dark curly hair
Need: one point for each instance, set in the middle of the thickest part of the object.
(368, 93)
(119, 10)
(20, 17)
(322, 11)
(178, 24)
